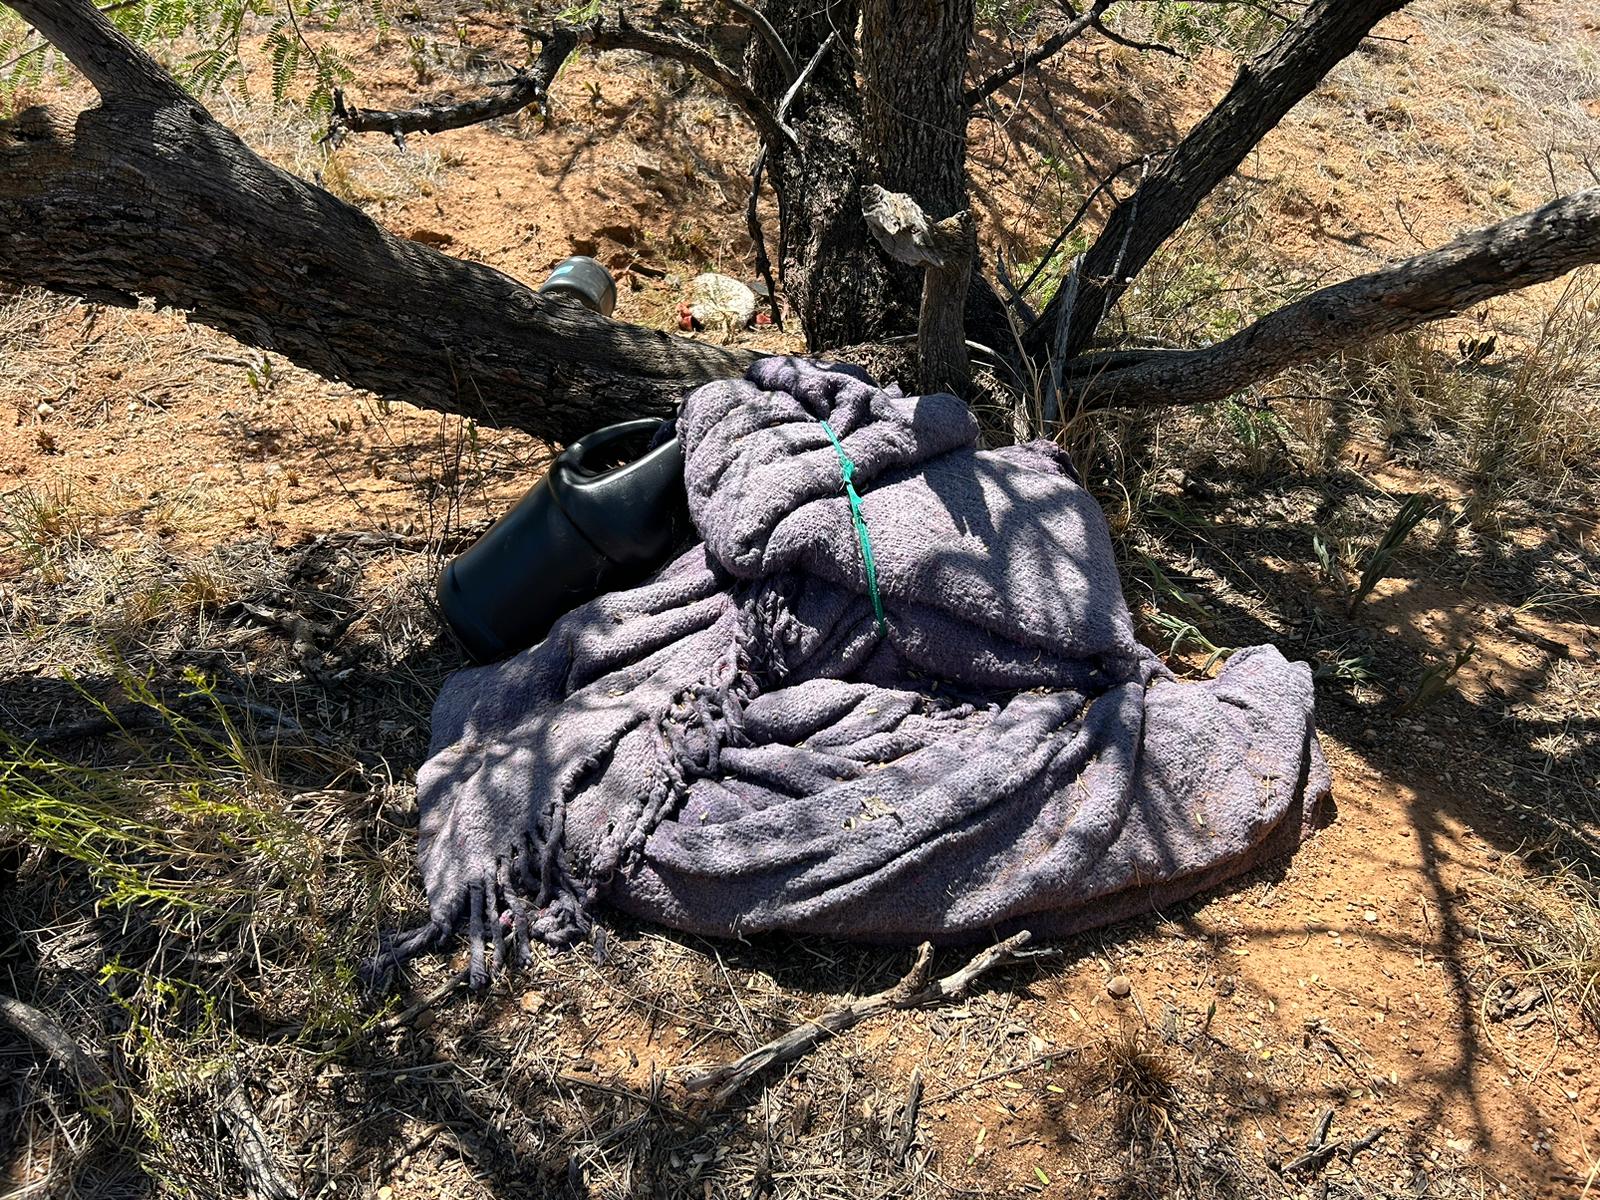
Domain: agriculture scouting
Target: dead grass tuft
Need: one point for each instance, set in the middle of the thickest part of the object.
(1139, 1074)
(1545, 912)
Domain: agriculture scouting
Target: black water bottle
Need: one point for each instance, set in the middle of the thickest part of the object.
(611, 510)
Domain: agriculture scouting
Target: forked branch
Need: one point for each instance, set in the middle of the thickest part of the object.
(1266, 89)
(1044, 51)
(916, 990)
(524, 89)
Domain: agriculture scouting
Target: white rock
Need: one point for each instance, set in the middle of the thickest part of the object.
(719, 302)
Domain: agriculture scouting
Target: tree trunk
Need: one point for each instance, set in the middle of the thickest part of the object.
(838, 281)
(913, 78)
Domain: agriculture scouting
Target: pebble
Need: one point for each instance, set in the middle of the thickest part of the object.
(1370, 917)
(1119, 986)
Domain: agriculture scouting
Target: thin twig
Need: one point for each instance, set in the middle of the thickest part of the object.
(758, 19)
(442, 992)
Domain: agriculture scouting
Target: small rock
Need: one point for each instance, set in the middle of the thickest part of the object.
(1120, 986)
(1370, 917)
(1226, 985)
(532, 1002)
(718, 302)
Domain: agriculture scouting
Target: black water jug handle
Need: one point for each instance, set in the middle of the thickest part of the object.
(582, 530)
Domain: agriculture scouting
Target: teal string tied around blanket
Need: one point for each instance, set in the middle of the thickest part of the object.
(847, 468)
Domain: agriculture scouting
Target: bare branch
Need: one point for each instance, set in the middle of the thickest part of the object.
(914, 991)
(45, 1032)
(767, 30)
(1122, 39)
(625, 37)
(1046, 49)
(526, 88)
(1516, 253)
(531, 86)
(1266, 89)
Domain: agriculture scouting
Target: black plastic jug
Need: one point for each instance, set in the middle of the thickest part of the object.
(611, 510)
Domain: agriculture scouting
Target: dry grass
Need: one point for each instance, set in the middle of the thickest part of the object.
(362, 170)
(1544, 911)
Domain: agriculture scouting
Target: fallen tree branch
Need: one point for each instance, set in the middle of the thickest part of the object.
(914, 991)
(251, 1147)
(149, 196)
(1266, 89)
(1517, 253)
(99, 1092)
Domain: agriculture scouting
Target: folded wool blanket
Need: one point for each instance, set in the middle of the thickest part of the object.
(740, 746)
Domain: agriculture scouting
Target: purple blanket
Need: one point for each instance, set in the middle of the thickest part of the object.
(735, 747)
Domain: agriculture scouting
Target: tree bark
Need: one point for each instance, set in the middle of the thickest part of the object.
(1262, 95)
(913, 64)
(1525, 250)
(839, 284)
(159, 200)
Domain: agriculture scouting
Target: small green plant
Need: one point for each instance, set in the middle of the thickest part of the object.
(1258, 429)
(260, 376)
(1192, 27)
(1331, 566)
(41, 524)
(1184, 633)
(1435, 681)
(218, 26)
(1413, 512)
(579, 14)
(1353, 669)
